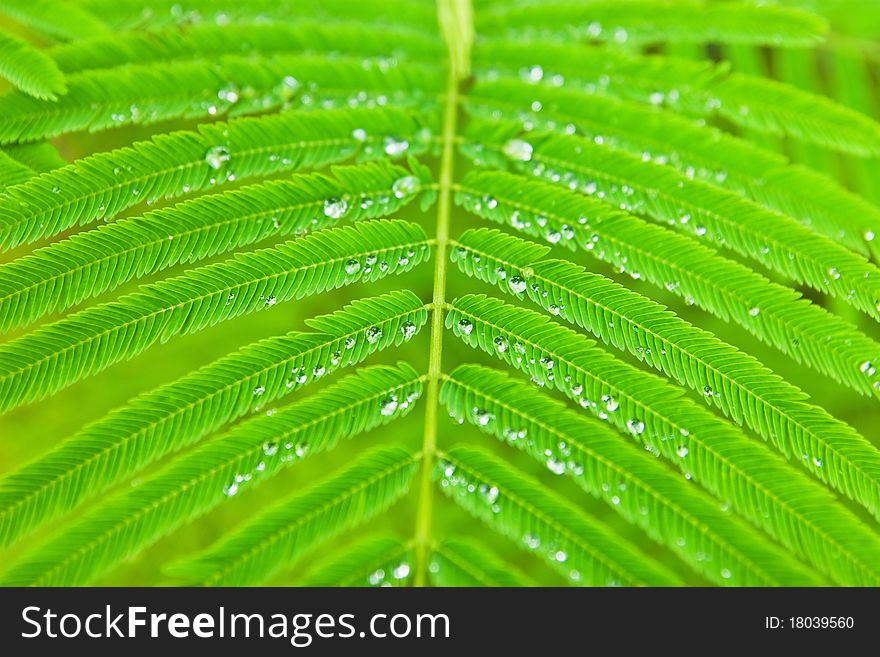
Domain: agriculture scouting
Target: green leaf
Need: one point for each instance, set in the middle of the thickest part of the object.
(697, 208)
(144, 14)
(578, 546)
(63, 20)
(29, 68)
(297, 525)
(608, 466)
(689, 87)
(758, 484)
(59, 354)
(775, 314)
(220, 468)
(41, 156)
(178, 414)
(150, 93)
(103, 185)
(212, 41)
(64, 274)
(13, 172)
(699, 152)
(377, 561)
(466, 562)
(748, 391)
(648, 21)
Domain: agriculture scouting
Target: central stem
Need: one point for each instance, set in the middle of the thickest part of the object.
(454, 16)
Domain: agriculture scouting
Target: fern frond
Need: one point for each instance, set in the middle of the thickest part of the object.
(758, 484)
(175, 415)
(699, 152)
(748, 391)
(13, 172)
(377, 561)
(722, 548)
(773, 313)
(59, 354)
(89, 263)
(694, 88)
(780, 109)
(222, 467)
(63, 20)
(142, 14)
(41, 156)
(209, 42)
(29, 68)
(601, 70)
(466, 562)
(651, 21)
(278, 537)
(150, 93)
(519, 507)
(103, 185)
(700, 209)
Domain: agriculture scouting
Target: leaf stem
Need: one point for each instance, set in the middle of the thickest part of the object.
(452, 14)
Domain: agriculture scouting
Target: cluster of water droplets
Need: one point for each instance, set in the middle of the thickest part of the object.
(393, 403)
(391, 576)
(481, 497)
(272, 454)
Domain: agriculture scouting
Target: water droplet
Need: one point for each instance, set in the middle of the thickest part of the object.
(408, 330)
(725, 573)
(833, 273)
(270, 449)
(230, 489)
(401, 572)
(500, 344)
(352, 267)
(635, 426)
(560, 556)
(335, 208)
(259, 390)
(517, 149)
(517, 284)
(610, 403)
(373, 334)
(708, 392)
(388, 405)
(754, 311)
(395, 146)
(481, 417)
(229, 94)
(869, 235)
(216, 157)
(466, 326)
(682, 451)
(359, 134)
(406, 186)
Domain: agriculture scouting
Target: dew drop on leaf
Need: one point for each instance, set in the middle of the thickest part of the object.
(408, 330)
(373, 334)
(395, 146)
(517, 149)
(517, 284)
(335, 208)
(217, 156)
(388, 406)
(404, 187)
